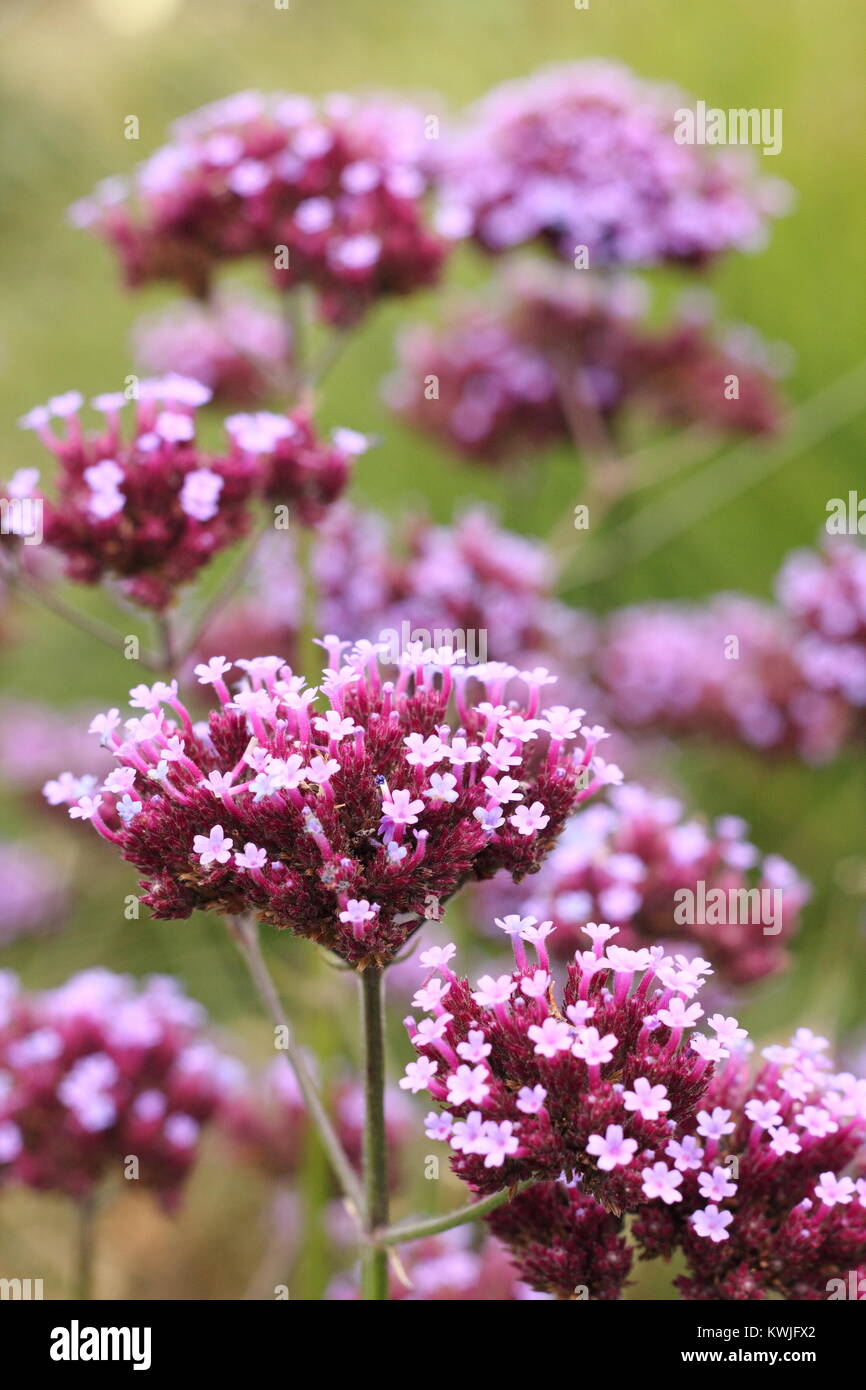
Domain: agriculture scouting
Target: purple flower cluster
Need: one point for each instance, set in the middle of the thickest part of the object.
(446, 1268)
(789, 679)
(635, 860)
(472, 578)
(598, 1086)
(764, 1203)
(99, 1071)
(327, 196)
(237, 347)
(34, 892)
(151, 510)
(584, 154)
(267, 1124)
(348, 826)
(549, 353)
(824, 592)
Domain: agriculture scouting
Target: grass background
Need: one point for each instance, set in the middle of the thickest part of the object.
(70, 72)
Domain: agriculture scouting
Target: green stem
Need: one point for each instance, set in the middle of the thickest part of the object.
(244, 931)
(86, 1212)
(432, 1226)
(374, 1280)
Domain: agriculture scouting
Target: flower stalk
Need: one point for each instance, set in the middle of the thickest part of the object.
(375, 1261)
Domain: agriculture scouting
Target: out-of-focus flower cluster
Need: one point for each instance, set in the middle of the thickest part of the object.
(34, 892)
(268, 1126)
(585, 155)
(447, 1268)
(328, 196)
(350, 826)
(642, 863)
(554, 353)
(765, 1204)
(236, 346)
(99, 1071)
(824, 593)
(790, 678)
(474, 580)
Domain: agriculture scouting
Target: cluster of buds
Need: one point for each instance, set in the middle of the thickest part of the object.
(641, 863)
(267, 1123)
(349, 826)
(564, 1243)
(236, 346)
(598, 1087)
(100, 1072)
(554, 354)
(330, 197)
(584, 155)
(151, 510)
(765, 1205)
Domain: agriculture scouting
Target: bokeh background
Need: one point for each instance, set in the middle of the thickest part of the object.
(70, 71)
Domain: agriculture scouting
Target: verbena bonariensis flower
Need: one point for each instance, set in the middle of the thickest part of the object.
(674, 667)
(564, 1242)
(267, 1123)
(34, 892)
(238, 347)
(150, 510)
(636, 860)
(596, 1087)
(298, 468)
(824, 591)
(471, 581)
(348, 826)
(99, 1070)
(547, 354)
(608, 355)
(584, 154)
(766, 1205)
(448, 1268)
(329, 196)
(472, 384)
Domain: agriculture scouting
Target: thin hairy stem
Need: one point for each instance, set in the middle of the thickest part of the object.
(84, 1249)
(433, 1225)
(244, 931)
(374, 1272)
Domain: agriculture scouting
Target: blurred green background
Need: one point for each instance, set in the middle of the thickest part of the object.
(70, 72)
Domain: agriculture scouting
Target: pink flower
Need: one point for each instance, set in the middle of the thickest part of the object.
(613, 1149)
(709, 1222)
(662, 1182)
